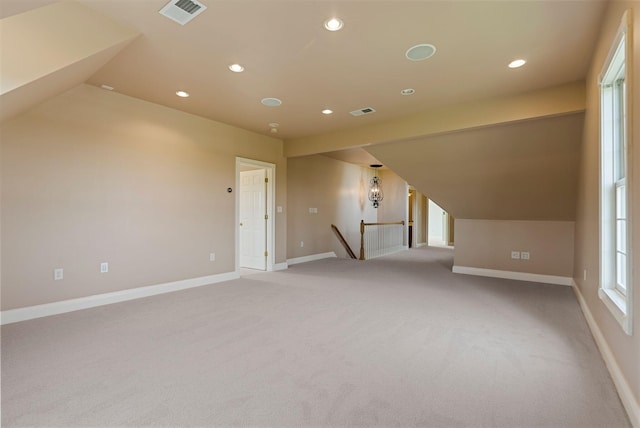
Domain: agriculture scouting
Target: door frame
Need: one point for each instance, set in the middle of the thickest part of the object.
(270, 169)
(411, 216)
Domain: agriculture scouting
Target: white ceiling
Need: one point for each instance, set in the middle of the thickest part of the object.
(288, 54)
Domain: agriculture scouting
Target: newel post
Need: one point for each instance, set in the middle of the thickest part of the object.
(361, 239)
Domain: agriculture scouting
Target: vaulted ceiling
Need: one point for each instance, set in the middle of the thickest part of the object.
(49, 47)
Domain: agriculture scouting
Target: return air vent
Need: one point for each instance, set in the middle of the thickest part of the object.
(182, 11)
(362, 111)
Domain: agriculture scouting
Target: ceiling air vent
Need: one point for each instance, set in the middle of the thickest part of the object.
(182, 11)
(363, 111)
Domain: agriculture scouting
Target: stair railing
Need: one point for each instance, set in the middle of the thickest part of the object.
(379, 239)
(343, 241)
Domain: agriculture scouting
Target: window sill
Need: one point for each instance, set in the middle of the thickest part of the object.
(617, 305)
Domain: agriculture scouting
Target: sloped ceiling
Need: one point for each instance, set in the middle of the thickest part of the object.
(49, 50)
(482, 140)
(520, 171)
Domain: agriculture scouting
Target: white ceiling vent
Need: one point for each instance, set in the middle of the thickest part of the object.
(182, 11)
(362, 111)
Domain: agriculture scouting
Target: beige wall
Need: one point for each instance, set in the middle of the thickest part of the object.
(487, 244)
(92, 176)
(395, 205)
(339, 191)
(625, 349)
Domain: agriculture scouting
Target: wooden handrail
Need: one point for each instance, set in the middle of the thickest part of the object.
(344, 242)
(362, 223)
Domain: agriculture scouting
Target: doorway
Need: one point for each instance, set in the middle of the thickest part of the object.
(438, 225)
(255, 196)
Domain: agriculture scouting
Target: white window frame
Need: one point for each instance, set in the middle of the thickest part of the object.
(616, 257)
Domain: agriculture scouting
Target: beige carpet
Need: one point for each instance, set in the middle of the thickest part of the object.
(393, 342)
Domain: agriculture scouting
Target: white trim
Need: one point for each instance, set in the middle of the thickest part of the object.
(629, 402)
(520, 276)
(280, 266)
(618, 306)
(30, 312)
(271, 202)
(625, 25)
(420, 244)
(311, 258)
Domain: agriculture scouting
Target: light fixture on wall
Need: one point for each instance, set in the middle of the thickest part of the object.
(375, 191)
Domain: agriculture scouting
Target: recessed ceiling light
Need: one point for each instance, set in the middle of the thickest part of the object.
(517, 63)
(274, 130)
(271, 102)
(107, 87)
(327, 111)
(408, 91)
(420, 52)
(236, 68)
(182, 94)
(333, 24)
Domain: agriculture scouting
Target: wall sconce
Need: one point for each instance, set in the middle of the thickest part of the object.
(375, 191)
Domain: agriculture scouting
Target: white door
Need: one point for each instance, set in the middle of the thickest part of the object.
(253, 222)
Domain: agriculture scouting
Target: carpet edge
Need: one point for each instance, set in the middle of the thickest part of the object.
(629, 401)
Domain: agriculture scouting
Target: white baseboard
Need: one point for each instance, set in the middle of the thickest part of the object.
(629, 401)
(280, 266)
(520, 276)
(64, 306)
(310, 258)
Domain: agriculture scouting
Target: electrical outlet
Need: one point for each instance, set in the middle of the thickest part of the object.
(58, 274)
(584, 275)
(301, 244)
(212, 257)
(104, 267)
(279, 209)
(515, 255)
(525, 255)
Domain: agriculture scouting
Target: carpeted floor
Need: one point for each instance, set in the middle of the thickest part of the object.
(398, 341)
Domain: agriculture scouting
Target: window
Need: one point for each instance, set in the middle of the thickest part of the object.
(615, 178)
